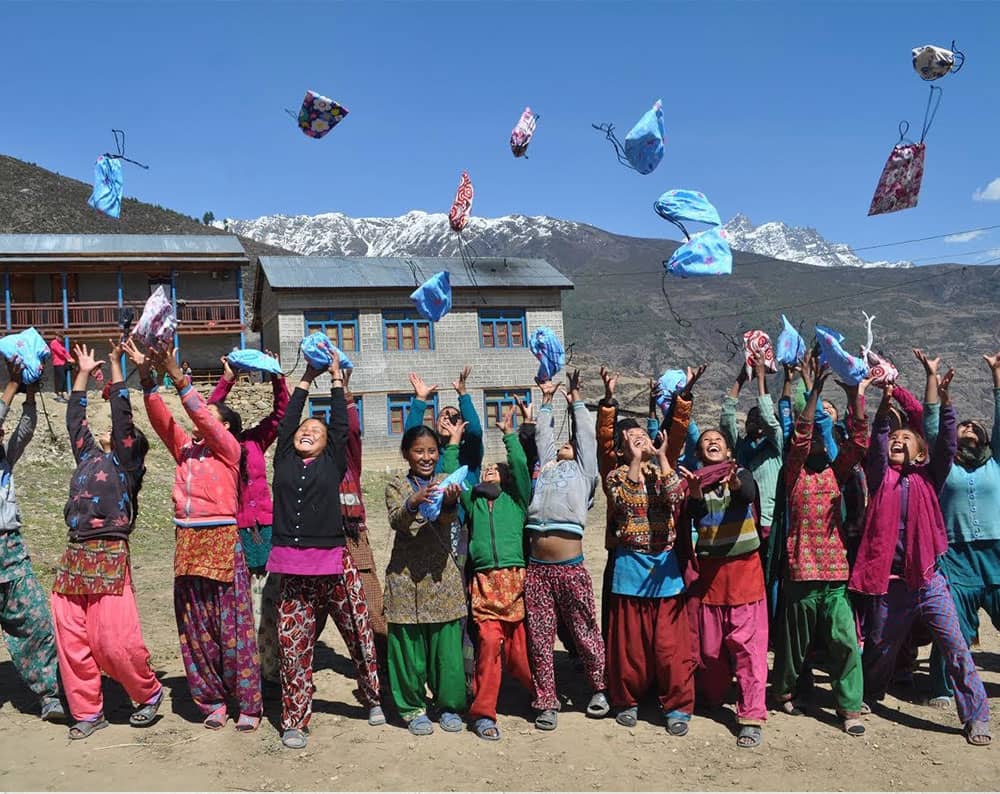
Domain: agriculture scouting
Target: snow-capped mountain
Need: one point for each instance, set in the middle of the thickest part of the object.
(795, 244)
(428, 234)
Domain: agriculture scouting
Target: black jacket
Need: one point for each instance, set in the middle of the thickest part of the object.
(307, 496)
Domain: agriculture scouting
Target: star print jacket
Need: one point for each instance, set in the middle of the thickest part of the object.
(105, 485)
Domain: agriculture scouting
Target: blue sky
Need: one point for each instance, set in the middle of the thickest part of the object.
(784, 111)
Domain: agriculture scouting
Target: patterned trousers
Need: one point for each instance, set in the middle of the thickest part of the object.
(218, 641)
(265, 593)
(303, 598)
(561, 591)
(27, 631)
(889, 621)
(968, 602)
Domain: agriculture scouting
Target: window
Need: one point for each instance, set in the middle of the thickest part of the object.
(319, 408)
(501, 328)
(495, 403)
(398, 409)
(406, 331)
(341, 328)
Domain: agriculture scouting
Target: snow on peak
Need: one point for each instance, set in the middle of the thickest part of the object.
(795, 244)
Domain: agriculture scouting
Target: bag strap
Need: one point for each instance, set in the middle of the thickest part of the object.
(931, 112)
(609, 134)
(120, 145)
(959, 59)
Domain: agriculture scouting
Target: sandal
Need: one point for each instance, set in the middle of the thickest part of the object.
(450, 722)
(376, 716)
(421, 726)
(977, 733)
(217, 719)
(788, 707)
(598, 706)
(678, 725)
(294, 739)
(853, 726)
(942, 702)
(487, 729)
(144, 716)
(628, 717)
(248, 723)
(866, 710)
(749, 737)
(547, 720)
(85, 728)
(53, 711)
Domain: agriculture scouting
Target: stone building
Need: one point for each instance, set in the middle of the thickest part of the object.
(363, 305)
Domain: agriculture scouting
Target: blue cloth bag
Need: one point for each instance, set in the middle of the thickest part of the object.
(669, 386)
(432, 508)
(315, 349)
(28, 350)
(433, 297)
(850, 369)
(790, 348)
(251, 360)
(687, 205)
(705, 254)
(108, 186)
(644, 142)
(546, 347)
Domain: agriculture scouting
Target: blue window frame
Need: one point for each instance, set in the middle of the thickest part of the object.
(406, 330)
(497, 401)
(319, 408)
(502, 328)
(340, 327)
(397, 409)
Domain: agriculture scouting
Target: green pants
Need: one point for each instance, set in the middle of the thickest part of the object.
(422, 656)
(26, 624)
(819, 610)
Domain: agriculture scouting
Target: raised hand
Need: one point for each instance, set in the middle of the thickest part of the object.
(930, 364)
(693, 483)
(86, 359)
(135, 355)
(227, 371)
(527, 411)
(944, 385)
(451, 494)
(422, 495)
(733, 481)
(548, 389)
(573, 386)
(421, 390)
(334, 369)
(610, 383)
(453, 429)
(693, 376)
(506, 422)
(459, 385)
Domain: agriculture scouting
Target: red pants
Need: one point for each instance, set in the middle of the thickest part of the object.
(649, 641)
(501, 644)
(101, 633)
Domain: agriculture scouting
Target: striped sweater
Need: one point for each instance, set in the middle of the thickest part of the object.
(726, 520)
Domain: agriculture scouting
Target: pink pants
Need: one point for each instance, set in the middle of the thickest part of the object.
(101, 633)
(734, 640)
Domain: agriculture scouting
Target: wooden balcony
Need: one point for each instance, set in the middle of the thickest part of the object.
(99, 318)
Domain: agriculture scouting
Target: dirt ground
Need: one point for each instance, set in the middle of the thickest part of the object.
(907, 746)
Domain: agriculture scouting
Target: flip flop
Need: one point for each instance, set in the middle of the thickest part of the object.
(144, 716)
(420, 726)
(598, 706)
(853, 726)
(217, 719)
(677, 726)
(248, 723)
(942, 702)
(84, 728)
(450, 722)
(487, 729)
(53, 711)
(294, 739)
(788, 707)
(749, 737)
(376, 716)
(977, 733)
(547, 720)
(628, 717)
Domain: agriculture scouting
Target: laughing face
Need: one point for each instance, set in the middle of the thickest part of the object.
(637, 438)
(423, 457)
(491, 473)
(905, 446)
(310, 438)
(566, 452)
(712, 447)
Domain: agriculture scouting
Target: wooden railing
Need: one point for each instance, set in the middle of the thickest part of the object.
(99, 317)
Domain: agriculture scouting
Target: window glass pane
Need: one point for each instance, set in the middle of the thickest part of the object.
(407, 337)
(392, 337)
(517, 333)
(347, 339)
(487, 331)
(424, 332)
(502, 335)
(396, 421)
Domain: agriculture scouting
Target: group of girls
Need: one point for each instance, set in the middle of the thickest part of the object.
(819, 534)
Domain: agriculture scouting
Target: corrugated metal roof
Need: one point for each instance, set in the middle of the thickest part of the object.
(362, 272)
(68, 245)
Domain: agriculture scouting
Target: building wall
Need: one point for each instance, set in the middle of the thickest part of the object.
(379, 373)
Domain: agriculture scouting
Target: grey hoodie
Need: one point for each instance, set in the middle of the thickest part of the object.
(564, 490)
(10, 516)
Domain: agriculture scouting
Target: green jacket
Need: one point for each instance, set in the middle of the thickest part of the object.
(497, 529)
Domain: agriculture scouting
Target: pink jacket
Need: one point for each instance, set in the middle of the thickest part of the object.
(352, 505)
(255, 493)
(60, 356)
(207, 474)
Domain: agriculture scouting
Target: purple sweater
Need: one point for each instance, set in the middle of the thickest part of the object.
(925, 533)
(255, 492)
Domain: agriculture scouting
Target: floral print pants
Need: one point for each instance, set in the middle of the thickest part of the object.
(27, 631)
